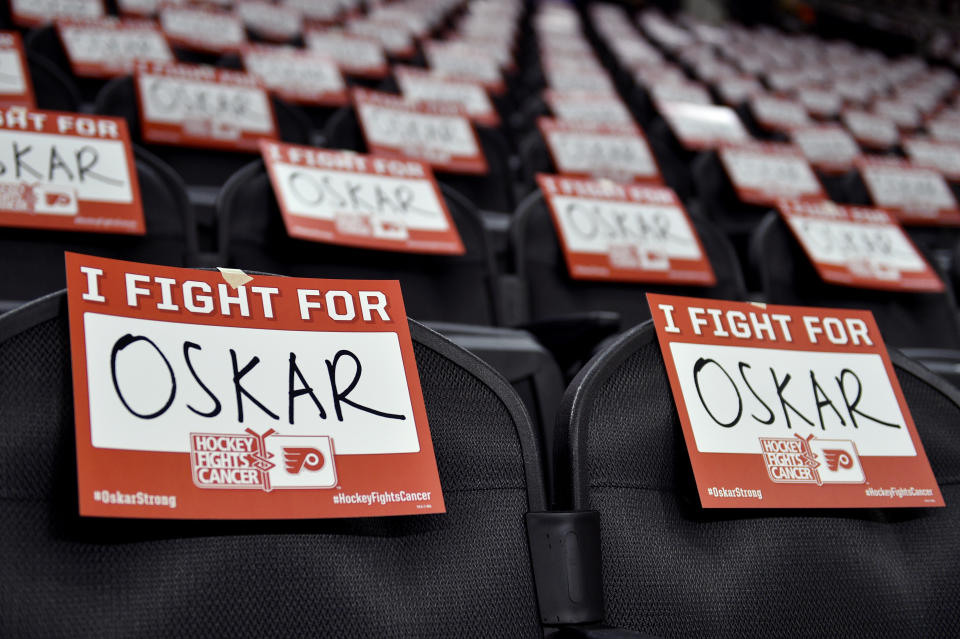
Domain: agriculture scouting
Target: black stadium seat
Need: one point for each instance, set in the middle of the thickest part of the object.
(32, 259)
(490, 192)
(53, 89)
(45, 42)
(463, 573)
(673, 569)
(455, 288)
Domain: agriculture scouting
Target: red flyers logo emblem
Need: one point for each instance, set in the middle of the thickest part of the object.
(295, 459)
(837, 458)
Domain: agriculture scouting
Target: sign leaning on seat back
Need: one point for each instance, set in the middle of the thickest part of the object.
(625, 232)
(438, 133)
(917, 195)
(418, 85)
(615, 152)
(202, 396)
(201, 29)
(700, 126)
(858, 246)
(109, 47)
(68, 171)
(790, 407)
(16, 87)
(201, 106)
(761, 173)
(341, 197)
(297, 75)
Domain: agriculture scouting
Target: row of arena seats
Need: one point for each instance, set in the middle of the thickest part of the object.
(601, 539)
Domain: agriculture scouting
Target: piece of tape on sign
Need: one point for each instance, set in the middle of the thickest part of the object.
(234, 276)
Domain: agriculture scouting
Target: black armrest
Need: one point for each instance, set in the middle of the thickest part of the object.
(573, 338)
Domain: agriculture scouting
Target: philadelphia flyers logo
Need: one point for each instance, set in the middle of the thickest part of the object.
(837, 458)
(57, 199)
(296, 459)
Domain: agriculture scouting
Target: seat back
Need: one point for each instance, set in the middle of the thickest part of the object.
(671, 568)
(463, 573)
(454, 288)
(52, 89)
(32, 259)
(539, 262)
(906, 320)
(490, 192)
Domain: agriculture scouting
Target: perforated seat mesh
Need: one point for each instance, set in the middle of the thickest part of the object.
(465, 573)
(675, 570)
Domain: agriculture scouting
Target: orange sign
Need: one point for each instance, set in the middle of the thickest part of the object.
(200, 106)
(438, 133)
(916, 195)
(625, 232)
(374, 202)
(68, 171)
(858, 246)
(109, 47)
(790, 407)
(616, 152)
(199, 396)
(763, 173)
(16, 87)
(297, 76)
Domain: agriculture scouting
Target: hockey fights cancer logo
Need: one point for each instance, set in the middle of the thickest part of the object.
(799, 460)
(264, 461)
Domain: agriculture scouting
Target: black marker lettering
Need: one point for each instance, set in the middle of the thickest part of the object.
(823, 400)
(241, 391)
(770, 416)
(305, 389)
(784, 404)
(341, 396)
(85, 167)
(697, 368)
(216, 402)
(121, 344)
(852, 406)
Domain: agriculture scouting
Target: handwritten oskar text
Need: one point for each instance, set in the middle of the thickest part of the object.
(749, 372)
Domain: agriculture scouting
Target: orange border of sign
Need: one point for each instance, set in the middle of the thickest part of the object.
(166, 473)
(748, 469)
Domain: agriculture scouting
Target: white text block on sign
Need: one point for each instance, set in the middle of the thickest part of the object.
(153, 383)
